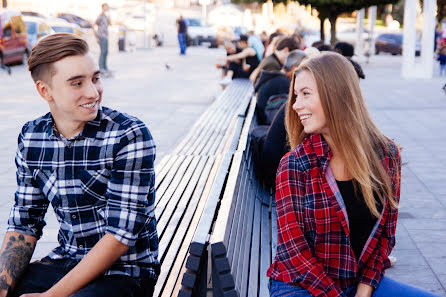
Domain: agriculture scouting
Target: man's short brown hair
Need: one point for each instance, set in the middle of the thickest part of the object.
(289, 42)
(51, 49)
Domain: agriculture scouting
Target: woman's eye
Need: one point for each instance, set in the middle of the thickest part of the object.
(306, 93)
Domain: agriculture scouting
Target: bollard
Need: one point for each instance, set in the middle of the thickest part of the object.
(121, 40)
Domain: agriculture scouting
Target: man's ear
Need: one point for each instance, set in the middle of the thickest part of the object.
(44, 90)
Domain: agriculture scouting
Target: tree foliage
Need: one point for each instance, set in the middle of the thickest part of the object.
(331, 9)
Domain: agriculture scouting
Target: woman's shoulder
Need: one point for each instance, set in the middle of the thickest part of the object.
(298, 159)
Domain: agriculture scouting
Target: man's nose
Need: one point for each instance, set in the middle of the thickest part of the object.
(92, 90)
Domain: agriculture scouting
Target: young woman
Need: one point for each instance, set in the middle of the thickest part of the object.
(337, 191)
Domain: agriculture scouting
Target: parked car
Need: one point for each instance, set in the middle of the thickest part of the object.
(37, 28)
(393, 43)
(32, 13)
(74, 19)
(63, 26)
(13, 38)
(197, 33)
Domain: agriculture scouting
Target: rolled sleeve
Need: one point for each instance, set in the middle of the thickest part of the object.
(131, 189)
(27, 214)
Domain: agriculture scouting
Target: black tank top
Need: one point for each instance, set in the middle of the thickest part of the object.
(361, 221)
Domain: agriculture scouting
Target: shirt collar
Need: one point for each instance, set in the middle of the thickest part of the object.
(89, 131)
(317, 145)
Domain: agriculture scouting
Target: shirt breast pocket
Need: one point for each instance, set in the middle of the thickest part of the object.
(94, 186)
(47, 183)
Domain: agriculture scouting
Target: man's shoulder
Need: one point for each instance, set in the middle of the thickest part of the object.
(38, 125)
(121, 120)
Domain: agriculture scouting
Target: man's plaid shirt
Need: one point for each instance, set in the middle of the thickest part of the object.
(313, 246)
(100, 181)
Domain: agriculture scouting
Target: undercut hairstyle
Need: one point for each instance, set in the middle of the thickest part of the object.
(289, 42)
(51, 49)
(351, 127)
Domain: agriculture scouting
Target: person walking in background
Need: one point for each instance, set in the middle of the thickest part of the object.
(182, 33)
(442, 59)
(337, 191)
(101, 33)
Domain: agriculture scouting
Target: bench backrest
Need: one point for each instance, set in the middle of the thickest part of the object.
(244, 236)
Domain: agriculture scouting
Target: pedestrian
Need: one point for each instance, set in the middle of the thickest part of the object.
(442, 59)
(4, 67)
(337, 191)
(182, 34)
(94, 165)
(101, 33)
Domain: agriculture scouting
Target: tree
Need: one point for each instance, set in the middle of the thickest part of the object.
(4, 3)
(331, 9)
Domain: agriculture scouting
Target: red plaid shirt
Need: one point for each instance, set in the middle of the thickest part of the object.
(313, 246)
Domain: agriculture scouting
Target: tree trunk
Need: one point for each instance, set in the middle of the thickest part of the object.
(332, 20)
(4, 4)
(322, 17)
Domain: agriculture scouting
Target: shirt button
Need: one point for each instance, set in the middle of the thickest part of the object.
(81, 246)
(69, 145)
(74, 216)
(68, 183)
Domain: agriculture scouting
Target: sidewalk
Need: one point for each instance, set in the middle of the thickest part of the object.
(413, 112)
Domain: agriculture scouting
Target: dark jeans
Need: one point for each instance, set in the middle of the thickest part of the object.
(182, 42)
(103, 44)
(42, 275)
(386, 288)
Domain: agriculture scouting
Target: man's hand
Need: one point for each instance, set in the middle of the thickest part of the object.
(364, 290)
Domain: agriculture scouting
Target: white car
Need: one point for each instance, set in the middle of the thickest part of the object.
(197, 33)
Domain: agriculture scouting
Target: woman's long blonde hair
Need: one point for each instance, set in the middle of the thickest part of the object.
(351, 127)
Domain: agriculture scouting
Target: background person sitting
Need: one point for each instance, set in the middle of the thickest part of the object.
(277, 59)
(275, 82)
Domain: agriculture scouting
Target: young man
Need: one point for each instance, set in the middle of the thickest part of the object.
(95, 166)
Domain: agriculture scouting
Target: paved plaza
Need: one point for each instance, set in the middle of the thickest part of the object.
(413, 112)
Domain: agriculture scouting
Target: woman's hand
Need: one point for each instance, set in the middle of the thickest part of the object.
(364, 290)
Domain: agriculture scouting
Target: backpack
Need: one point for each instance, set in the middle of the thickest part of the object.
(273, 105)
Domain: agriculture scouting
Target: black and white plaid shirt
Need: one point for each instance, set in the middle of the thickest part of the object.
(101, 181)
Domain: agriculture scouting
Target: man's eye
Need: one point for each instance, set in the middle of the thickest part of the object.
(96, 78)
(76, 84)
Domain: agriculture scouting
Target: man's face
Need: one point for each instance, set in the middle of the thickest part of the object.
(75, 90)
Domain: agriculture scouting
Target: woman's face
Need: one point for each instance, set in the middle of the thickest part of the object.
(308, 104)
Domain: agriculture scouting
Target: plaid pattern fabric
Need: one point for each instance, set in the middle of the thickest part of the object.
(313, 247)
(100, 181)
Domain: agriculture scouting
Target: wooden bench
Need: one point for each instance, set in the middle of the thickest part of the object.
(243, 241)
(189, 177)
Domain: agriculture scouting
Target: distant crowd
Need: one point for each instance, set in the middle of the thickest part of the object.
(269, 62)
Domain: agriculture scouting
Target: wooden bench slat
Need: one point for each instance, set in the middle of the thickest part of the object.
(255, 252)
(176, 179)
(179, 201)
(185, 231)
(164, 186)
(244, 262)
(265, 254)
